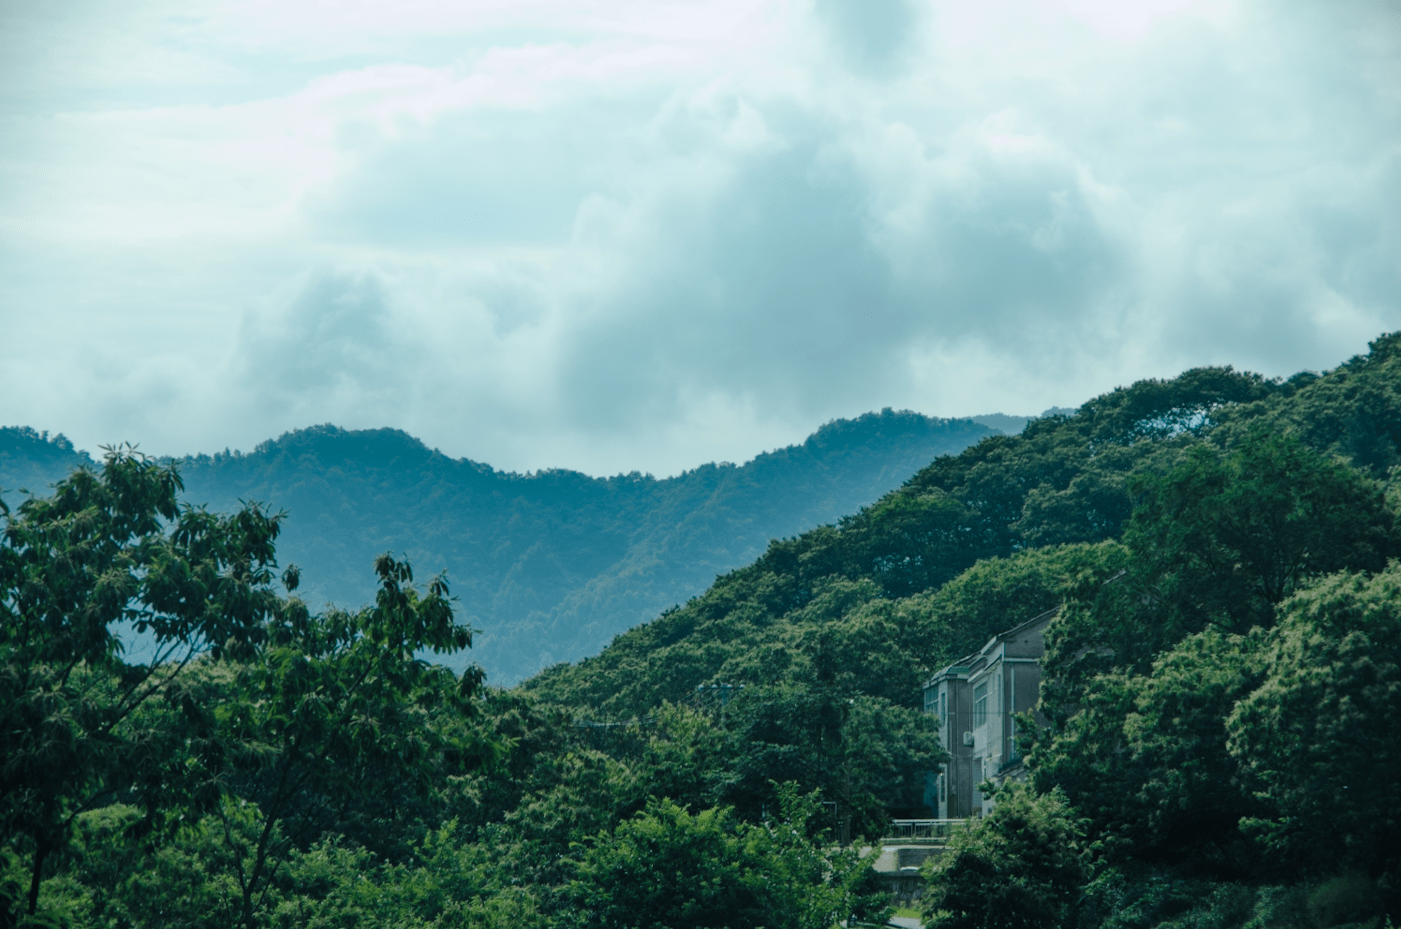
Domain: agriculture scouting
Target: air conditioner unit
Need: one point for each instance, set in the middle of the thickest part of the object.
(968, 739)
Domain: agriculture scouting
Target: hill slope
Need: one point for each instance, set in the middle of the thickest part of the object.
(1028, 517)
(551, 565)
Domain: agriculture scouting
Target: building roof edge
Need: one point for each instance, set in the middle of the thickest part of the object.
(967, 660)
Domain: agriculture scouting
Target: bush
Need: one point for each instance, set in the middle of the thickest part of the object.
(1023, 867)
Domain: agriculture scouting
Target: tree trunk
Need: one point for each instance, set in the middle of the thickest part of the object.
(41, 852)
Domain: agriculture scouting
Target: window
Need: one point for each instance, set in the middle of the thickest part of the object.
(943, 708)
(980, 705)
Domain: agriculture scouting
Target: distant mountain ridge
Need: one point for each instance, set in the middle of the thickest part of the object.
(551, 565)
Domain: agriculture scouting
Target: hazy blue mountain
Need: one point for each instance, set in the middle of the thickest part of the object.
(551, 565)
(1013, 425)
(1003, 423)
(32, 461)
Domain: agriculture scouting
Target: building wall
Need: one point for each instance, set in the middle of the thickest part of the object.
(1009, 668)
(952, 797)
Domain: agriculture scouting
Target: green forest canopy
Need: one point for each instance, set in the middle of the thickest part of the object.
(1220, 682)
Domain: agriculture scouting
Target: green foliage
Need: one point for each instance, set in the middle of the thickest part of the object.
(1021, 867)
(666, 867)
(1229, 535)
(1145, 758)
(739, 633)
(1317, 740)
(448, 883)
(1350, 897)
(997, 593)
(1143, 672)
(1181, 740)
(1216, 542)
(190, 882)
(78, 725)
(1220, 682)
(246, 697)
(1157, 898)
(859, 752)
(1352, 412)
(338, 714)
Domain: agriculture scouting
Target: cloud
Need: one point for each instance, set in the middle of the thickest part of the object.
(801, 272)
(330, 333)
(876, 37)
(649, 235)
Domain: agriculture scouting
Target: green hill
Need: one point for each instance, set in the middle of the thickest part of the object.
(1219, 685)
(1223, 548)
(551, 565)
(885, 588)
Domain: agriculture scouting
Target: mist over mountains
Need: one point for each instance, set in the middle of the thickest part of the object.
(549, 566)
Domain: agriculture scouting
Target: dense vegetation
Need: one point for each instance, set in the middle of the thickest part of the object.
(548, 566)
(1220, 684)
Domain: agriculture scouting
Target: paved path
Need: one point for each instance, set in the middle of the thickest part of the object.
(908, 922)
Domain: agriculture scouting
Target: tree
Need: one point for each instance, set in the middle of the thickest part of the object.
(1227, 535)
(666, 867)
(998, 593)
(862, 753)
(1145, 759)
(1022, 867)
(337, 713)
(1217, 542)
(1317, 739)
(78, 724)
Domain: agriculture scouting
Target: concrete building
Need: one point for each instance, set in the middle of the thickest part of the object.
(976, 699)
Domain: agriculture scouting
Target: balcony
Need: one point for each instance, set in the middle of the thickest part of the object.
(921, 831)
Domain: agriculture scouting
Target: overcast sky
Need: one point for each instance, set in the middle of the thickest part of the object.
(645, 234)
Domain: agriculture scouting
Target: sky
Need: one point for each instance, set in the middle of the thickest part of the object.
(648, 234)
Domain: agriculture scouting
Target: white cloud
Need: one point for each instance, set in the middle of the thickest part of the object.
(643, 235)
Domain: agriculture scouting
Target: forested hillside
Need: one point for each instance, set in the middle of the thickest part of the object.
(1220, 682)
(549, 566)
(1219, 676)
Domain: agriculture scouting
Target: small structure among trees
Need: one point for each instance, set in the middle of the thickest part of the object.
(977, 700)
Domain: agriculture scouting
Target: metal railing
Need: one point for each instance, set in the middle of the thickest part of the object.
(922, 831)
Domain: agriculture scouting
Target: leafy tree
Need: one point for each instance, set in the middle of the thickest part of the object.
(1227, 535)
(189, 882)
(78, 724)
(1317, 739)
(666, 867)
(1352, 412)
(1217, 542)
(999, 593)
(1157, 409)
(859, 752)
(910, 542)
(530, 735)
(1143, 671)
(579, 793)
(1145, 759)
(1021, 867)
(337, 711)
(687, 758)
(820, 732)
